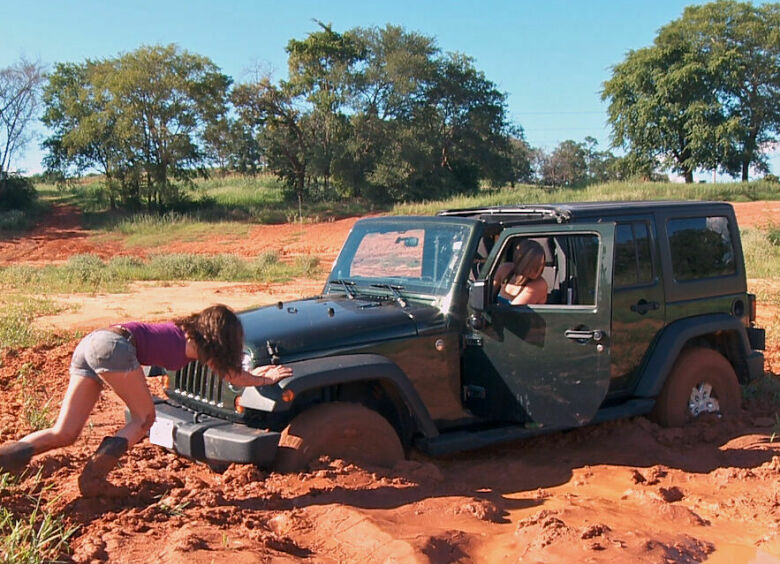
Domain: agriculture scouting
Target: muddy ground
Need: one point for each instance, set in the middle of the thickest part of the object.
(625, 491)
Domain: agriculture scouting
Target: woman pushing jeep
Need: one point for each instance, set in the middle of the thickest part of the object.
(114, 355)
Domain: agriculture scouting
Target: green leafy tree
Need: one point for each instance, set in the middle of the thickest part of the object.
(656, 95)
(565, 166)
(140, 118)
(83, 124)
(433, 124)
(739, 44)
(319, 68)
(521, 158)
(705, 94)
(268, 112)
(167, 97)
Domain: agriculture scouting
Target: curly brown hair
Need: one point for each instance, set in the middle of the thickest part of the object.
(218, 336)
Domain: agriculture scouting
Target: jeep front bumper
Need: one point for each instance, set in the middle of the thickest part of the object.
(209, 439)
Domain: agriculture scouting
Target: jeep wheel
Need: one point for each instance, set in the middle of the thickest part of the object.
(701, 382)
(349, 431)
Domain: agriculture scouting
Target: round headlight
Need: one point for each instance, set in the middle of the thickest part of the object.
(248, 359)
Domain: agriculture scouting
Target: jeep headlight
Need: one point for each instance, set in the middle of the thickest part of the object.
(248, 359)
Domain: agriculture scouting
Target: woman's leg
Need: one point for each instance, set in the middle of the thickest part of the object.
(132, 390)
(80, 398)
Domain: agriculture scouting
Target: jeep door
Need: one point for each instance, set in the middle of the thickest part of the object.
(545, 365)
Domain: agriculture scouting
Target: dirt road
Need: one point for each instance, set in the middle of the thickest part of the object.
(626, 491)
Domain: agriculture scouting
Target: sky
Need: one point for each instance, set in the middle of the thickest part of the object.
(551, 57)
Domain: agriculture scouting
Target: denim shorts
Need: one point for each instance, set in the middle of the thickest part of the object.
(103, 351)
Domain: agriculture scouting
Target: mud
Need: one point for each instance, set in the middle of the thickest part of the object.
(626, 491)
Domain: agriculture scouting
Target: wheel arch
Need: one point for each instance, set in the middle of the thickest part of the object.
(346, 378)
(719, 332)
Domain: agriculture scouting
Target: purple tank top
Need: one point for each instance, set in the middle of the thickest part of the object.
(159, 344)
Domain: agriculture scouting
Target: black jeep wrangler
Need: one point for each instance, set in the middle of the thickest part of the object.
(647, 313)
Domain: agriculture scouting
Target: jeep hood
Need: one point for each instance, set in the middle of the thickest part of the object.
(320, 325)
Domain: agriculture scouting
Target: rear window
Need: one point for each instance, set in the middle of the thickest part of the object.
(701, 247)
(633, 262)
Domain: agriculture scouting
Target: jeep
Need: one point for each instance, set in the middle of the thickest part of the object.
(407, 347)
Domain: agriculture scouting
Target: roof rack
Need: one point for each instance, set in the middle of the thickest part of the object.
(558, 214)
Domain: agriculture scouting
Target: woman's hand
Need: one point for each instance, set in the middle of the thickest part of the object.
(260, 376)
(272, 373)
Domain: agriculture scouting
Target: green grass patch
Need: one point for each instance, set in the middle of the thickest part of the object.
(761, 247)
(146, 230)
(623, 191)
(17, 313)
(90, 273)
(37, 535)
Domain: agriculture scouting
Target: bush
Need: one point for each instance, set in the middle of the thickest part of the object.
(17, 193)
(13, 220)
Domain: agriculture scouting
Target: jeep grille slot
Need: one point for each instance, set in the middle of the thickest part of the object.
(198, 382)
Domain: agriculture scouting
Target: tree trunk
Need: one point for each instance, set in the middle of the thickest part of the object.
(688, 174)
(745, 170)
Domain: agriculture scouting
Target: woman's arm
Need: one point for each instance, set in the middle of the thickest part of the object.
(535, 292)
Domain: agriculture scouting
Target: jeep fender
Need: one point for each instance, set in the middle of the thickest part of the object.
(329, 371)
(673, 339)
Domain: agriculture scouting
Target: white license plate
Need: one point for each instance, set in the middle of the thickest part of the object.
(161, 433)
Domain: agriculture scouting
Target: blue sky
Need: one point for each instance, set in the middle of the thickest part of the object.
(550, 56)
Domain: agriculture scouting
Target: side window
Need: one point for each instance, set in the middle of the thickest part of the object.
(570, 268)
(701, 247)
(633, 261)
(583, 259)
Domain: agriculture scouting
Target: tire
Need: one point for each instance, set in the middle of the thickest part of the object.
(701, 382)
(349, 431)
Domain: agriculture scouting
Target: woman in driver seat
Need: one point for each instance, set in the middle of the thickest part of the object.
(523, 284)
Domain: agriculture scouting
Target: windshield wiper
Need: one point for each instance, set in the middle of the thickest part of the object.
(394, 288)
(349, 286)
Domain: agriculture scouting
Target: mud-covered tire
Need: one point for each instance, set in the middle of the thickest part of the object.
(698, 377)
(348, 431)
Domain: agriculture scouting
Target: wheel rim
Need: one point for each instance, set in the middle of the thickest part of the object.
(702, 400)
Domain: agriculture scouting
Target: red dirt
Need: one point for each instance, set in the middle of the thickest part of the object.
(625, 491)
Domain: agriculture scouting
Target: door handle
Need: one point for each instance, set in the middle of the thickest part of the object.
(643, 306)
(584, 335)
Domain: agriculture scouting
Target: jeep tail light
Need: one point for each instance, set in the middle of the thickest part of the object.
(237, 405)
(288, 395)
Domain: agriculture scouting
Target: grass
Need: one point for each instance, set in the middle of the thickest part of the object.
(17, 312)
(147, 230)
(733, 192)
(90, 273)
(36, 411)
(761, 247)
(40, 536)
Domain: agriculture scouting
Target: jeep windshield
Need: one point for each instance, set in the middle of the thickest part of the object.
(404, 257)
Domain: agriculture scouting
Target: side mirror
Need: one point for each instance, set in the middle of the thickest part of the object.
(479, 295)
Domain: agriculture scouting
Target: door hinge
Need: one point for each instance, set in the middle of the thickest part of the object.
(474, 392)
(473, 341)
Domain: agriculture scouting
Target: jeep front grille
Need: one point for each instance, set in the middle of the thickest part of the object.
(196, 381)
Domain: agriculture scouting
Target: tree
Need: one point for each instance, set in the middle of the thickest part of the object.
(706, 94)
(431, 125)
(656, 95)
(565, 166)
(269, 113)
(140, 118)
(521, 157)
(20, 96)
(83, 122)
(319, 68)
(740, 45)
